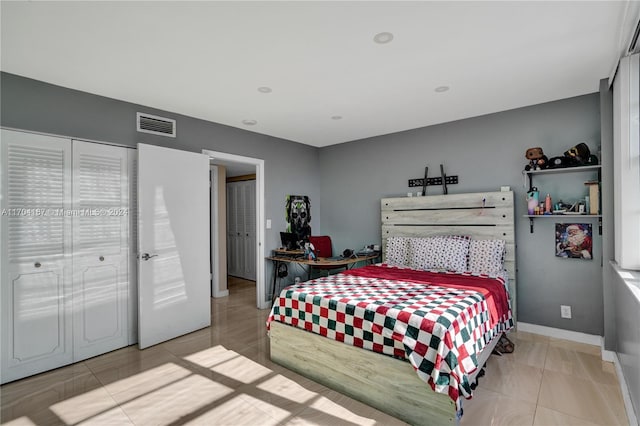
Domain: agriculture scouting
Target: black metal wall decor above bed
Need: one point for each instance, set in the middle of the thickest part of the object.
(443, 180)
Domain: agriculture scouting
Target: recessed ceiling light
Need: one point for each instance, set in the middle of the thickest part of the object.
(264, 89)
(441, 89)
(383, 38)
(249, 122)
(336, 117)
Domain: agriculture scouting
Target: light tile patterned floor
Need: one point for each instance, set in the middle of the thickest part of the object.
(222, 375)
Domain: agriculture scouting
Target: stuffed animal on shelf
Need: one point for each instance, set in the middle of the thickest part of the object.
(578, 155)
(537, 159)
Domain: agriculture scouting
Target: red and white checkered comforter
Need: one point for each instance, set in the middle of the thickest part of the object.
(438, 321)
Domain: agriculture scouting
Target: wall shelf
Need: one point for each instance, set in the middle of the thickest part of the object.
(543, 216)
(594, 168)
(578, 169)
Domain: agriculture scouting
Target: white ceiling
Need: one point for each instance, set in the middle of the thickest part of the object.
(208, 59)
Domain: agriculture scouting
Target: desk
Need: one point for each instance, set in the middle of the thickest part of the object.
(346, 263)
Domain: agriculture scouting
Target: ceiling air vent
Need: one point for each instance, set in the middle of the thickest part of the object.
(153, 124)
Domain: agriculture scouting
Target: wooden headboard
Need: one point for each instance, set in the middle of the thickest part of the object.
(482, 215)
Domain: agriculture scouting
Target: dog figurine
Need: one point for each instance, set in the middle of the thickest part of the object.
(578, 155)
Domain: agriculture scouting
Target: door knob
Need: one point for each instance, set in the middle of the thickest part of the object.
(101, 258)
(146, 256)
(37, 264)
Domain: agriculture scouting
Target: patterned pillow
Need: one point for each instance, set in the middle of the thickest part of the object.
(451, 253)
(397, 250)
(419, 252)
(486, 256)
(447, 252)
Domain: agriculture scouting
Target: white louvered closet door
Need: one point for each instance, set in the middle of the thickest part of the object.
(100, 248)
(249, 245)
(36, 266)
(235, 227)
(241, 229)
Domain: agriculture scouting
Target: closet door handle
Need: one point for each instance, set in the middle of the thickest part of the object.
(146, 256)
(37, 264)
(101, 258)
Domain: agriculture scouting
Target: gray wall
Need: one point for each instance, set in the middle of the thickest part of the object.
(290, 168)
(485, 152)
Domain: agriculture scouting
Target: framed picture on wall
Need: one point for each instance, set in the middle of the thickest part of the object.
(574, 240)
(298, 217)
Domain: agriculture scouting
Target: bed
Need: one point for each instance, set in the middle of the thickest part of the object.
(404, 336)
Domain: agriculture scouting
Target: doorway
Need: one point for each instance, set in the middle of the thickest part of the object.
(242, 165)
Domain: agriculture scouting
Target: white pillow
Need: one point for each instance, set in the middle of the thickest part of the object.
(486, 256)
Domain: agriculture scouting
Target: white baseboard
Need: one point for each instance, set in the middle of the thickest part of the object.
(608, 356)
(631, 414)
(558, 333)
(222, 293)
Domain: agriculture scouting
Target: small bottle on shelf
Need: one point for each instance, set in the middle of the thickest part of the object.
(587, 205)
(547, 204)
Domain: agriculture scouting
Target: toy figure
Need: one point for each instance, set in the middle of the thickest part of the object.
(537, 159)
(309, 251)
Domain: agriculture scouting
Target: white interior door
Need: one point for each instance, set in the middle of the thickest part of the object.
(100, 248)
(263, 301)
(173, 239)
(36, 262)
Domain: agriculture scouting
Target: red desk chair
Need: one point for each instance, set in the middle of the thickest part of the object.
(323, 248)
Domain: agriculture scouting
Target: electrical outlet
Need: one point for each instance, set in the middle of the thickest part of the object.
(565, 311)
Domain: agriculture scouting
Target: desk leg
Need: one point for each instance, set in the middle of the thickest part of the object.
(275, 276)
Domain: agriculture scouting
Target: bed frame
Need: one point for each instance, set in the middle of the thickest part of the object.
(386, 383)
